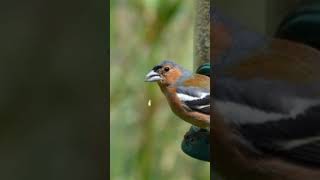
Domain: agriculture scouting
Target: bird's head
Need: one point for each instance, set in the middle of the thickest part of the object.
(166, 73)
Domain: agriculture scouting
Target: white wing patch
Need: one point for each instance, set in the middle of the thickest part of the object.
(298, 142)
(242, 114)
(204, 106)
(186, 97)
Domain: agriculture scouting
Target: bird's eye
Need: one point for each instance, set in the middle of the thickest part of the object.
(166, 69)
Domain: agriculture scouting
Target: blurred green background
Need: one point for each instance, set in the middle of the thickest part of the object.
(145, 141)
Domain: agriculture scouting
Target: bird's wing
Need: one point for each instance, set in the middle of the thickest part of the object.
(281, 125)
(197, 80)
(296, 139)
(195, 95)
(273, 99)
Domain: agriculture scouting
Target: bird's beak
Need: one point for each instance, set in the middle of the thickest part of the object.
(152, 76)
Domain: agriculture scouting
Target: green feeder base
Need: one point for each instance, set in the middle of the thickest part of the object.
(302, 25)
(196, 143)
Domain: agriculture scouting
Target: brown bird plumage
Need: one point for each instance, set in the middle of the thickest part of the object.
(263, 68)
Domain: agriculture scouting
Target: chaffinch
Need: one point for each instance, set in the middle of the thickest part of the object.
(187, 94)
(266, 100)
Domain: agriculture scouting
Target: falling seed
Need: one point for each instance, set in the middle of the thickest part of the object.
(149, 102)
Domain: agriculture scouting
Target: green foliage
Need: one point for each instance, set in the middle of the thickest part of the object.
(145, 140)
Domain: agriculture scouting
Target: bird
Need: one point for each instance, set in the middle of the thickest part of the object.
(187, 94)
(266, 105)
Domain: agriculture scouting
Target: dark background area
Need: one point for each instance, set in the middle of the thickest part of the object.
(267, 13)
(53, 88)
